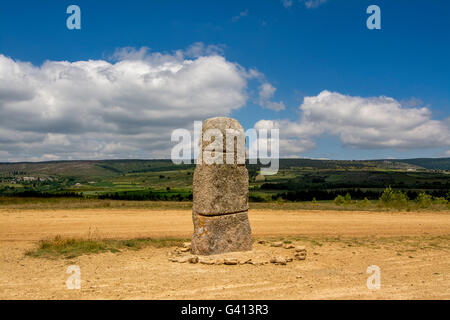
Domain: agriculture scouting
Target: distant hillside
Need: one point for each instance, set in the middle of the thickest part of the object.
(87, 168)
(111, 168)
(429, 163)
(346, 164)
(297, 179)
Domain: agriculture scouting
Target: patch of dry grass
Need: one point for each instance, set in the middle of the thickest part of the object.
(16, 203)
(68, 248)
(72, 247)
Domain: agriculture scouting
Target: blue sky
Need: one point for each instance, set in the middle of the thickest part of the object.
(300, 48)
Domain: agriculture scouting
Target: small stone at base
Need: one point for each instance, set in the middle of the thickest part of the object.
(300, 256)
(230, 261)
(276, 244)
(193, 259)
(278, 260)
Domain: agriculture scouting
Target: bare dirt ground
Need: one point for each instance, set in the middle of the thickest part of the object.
(412, 250)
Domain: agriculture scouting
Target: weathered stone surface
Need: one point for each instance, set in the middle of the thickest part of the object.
(219, 158)
(219, 234)
(182, 259)
(221, 123)
(230, 261)
(193, 259)
(278, 260)
(220, 189)
(300, 253)
(233, 139)
(207, 261)
(300, 256)
(187, 245)
(276, 244)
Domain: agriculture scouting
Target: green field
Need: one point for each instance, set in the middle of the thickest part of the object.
(160, 180)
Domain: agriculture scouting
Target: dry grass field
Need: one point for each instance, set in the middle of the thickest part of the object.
(412, 250)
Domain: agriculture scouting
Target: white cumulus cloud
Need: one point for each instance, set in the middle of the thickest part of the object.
(266, 92)
(122, 109)
(364, 123)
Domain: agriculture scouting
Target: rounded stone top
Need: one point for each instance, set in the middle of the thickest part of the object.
(232, 141)
(221, 123)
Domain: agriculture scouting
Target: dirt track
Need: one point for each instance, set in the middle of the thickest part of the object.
(116, 223)
(415, 267)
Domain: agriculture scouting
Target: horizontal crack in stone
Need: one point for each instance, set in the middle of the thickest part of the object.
(220, 214)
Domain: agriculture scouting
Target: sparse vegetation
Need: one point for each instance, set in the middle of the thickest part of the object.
(399, 200)
(339, 200)
(424, 200)
(348, 198)
(365, 203)
(73, 247)
(394, 198)
(84, 203)
(300, 183)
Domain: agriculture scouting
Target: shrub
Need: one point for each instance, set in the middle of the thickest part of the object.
(394, 198)
(440, 200)
(387, 195)
(339, 200)
(256, 198)
(365, 202)
(424, 200)
(400, 199)
(348, 198)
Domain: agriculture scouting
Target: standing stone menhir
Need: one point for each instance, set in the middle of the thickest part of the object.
(220, 208)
